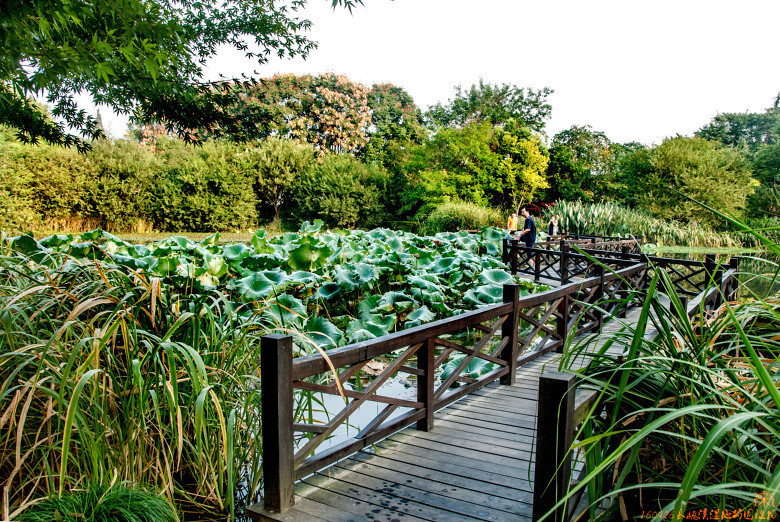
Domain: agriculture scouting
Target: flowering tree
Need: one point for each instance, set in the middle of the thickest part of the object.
(328, 111)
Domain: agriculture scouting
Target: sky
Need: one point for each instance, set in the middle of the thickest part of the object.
(637, 71)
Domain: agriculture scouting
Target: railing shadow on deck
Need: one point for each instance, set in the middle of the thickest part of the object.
(504, 336)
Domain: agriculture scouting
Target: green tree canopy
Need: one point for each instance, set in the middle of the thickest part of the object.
(717, 176)
(479, 163)
(494, 104)
(752, 130)
(275, 165)
(580, 159)
(142, 57)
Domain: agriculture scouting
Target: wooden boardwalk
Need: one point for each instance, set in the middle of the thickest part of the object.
(476, 464)
(474, 458)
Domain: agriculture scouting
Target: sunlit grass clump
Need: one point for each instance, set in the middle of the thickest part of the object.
(114, 503)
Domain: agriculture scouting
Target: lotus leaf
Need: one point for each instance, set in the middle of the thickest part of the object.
(419, 316)
(323, 332)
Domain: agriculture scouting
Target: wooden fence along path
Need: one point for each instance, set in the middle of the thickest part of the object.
(465, 444)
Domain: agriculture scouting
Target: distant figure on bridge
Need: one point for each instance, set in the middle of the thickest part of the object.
(552, 226)
(528, 233)
(511, 224)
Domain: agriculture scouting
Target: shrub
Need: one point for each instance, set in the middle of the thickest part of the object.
(342, 192)
(461, 215)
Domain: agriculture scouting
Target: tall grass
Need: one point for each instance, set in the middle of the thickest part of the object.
(107, 375)
(461, 215)
(610, 219)
(693, 418)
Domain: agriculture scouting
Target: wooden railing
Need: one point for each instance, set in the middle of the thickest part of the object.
(500, 337)
(561, 409)
(567, 260)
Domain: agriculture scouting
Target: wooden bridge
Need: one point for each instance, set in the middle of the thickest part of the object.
(487, 445)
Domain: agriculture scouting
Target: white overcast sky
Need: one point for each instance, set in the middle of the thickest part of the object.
(637, 71)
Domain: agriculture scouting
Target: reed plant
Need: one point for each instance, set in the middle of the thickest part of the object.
(107, 375)
(610, 219)
(692, 420)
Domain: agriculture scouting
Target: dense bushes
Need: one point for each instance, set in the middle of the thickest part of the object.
(342, 192)
(459, 215)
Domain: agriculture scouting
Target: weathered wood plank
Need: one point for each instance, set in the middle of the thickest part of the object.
(429, 469)
(467, 502)
(339, 481)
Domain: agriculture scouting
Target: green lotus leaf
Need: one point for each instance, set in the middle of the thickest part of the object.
(353, 276)
(260, 241)
(308, 228)
(236, 251)
(92, 235)
(56, 240)
(484, 295)
(252, 287)
(495, 277)
(309, 255)
(303, 277)
(25, 244)
(211, 240)
(166, 265)
(328, 290)
(186, 269)
(285, 311)
(444, 264)
(256, 262)
(397, 300)
(369, 305)
(181, 243)
(418, 317)
(492, 235)
(323, 332)
(215, 265)
(474, 369)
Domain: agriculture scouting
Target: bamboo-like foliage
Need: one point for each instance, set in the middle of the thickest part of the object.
(610, 219)
(107, 376)
(692, 422)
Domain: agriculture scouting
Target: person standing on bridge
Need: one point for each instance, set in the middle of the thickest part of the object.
(528, 233)
(511, 224)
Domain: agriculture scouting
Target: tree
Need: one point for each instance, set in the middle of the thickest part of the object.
(328, 111)
(749, 130)
(396, 125)
(717, 176)
(142, 57)
(479, 163)
(494, 104)
(579, 159)
(277, 163)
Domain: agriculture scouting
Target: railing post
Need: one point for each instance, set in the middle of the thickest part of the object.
(537, 266)
(509, 331)
(599, 295)
(425, 382)
(564, 268)
(277, 402)
(562, 327)
(554, 437)
(734, 265)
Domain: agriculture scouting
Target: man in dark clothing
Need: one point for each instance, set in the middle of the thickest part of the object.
(529, 229)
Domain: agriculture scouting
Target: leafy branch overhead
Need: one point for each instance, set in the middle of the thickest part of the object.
(139, 57)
